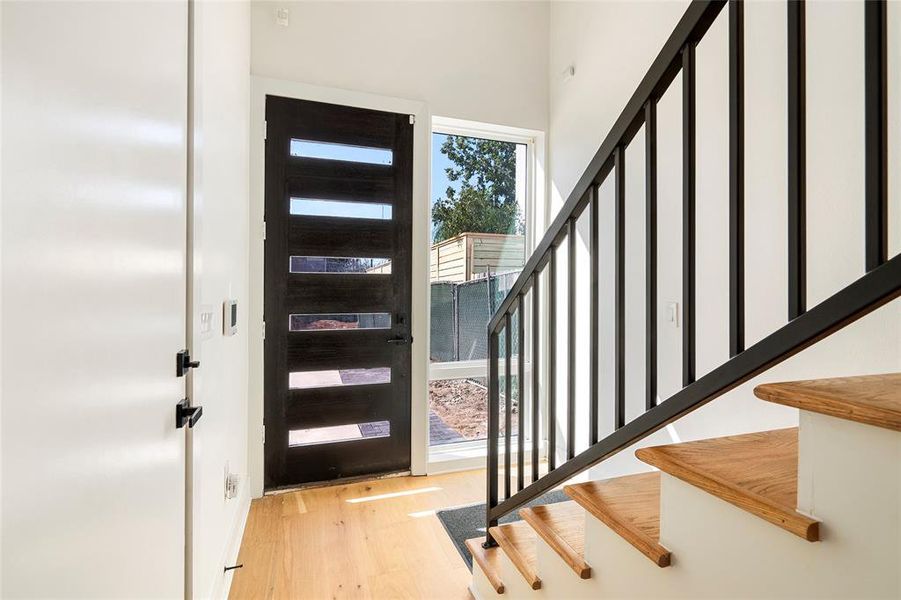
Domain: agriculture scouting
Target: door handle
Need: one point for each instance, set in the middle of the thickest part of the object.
(183, 363)
(185, 414)
(401, 339)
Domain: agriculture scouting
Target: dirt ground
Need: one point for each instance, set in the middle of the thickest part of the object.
(463, 405)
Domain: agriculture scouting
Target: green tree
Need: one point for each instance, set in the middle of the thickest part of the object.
(485, 199)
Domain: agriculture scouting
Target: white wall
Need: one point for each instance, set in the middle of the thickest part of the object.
(611, 45)
(222, 113)
(482, 61)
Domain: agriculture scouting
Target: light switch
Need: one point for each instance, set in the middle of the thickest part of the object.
(672, 313)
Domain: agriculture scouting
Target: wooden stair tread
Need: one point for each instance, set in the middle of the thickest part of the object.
(562, 526)
(489, 560)
(757, 472)
(518, 540)
(871, 399)
(630, 506)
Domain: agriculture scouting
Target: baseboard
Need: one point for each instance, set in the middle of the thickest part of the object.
(233, 548)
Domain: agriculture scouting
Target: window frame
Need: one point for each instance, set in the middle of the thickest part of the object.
(471, 453)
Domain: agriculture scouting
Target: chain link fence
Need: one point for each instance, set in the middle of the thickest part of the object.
(460, 315)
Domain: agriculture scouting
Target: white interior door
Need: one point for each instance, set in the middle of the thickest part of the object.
(93, 307)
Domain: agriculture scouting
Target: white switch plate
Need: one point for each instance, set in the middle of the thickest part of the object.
(672, 313)
(206, 318)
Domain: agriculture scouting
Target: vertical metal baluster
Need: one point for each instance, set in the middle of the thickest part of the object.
(521, 397)
(536, 372)
(650, 133)
(508, 405)
(688, 214)
(619, 160)
(797, 162)
(594, 393)
(876, 134)
(736, 177)
(493, 433)
(571, 343)
(552, 361)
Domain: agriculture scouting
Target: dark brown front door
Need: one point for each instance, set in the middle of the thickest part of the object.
(337, 291)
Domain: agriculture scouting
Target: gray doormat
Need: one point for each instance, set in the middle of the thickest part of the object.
(468, 522)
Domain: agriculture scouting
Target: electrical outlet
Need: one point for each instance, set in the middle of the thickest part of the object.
(232, 483)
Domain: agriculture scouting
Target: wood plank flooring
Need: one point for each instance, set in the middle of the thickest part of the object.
(375, 539)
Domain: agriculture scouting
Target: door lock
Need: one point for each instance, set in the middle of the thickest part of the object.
(185, 414)
(183, 363)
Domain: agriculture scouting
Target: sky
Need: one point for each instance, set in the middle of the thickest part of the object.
(439, 178)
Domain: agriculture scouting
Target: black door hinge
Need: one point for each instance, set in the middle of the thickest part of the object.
(185, 414)
(183, 363)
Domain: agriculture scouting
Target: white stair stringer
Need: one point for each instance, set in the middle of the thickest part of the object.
(849, 479)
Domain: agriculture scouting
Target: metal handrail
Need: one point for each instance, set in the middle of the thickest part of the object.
(880, 284)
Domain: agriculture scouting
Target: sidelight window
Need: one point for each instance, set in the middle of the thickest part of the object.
(481, 231)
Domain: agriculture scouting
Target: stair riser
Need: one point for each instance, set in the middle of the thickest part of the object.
(844, 465)
(620, 570)
(719, 546)
(515, 585)
(480, 586)
(557, 578)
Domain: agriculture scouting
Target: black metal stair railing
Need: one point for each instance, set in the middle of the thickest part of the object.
(880, 284)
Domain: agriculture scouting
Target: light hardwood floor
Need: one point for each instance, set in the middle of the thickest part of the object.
(375, 539)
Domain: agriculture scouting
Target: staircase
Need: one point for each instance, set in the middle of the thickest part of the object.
(810, 511)
(788, 513)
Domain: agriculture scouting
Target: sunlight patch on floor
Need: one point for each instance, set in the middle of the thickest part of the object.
(424, 490)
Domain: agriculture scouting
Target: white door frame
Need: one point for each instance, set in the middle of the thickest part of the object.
(261, 87)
